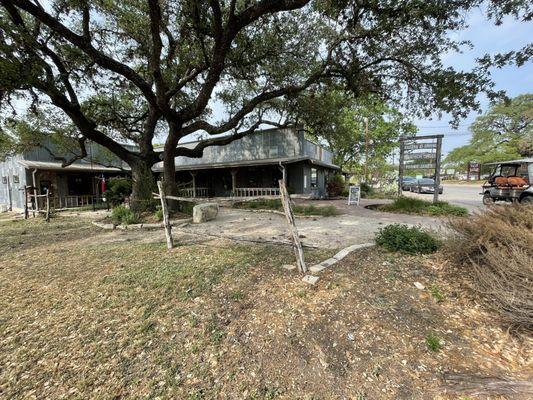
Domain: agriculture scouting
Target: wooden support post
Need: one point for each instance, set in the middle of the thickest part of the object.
(26, 211)
(166, 220)
(298, 250)
(47, 215)
(400, 171)
(437, 169)
(234, 180)
(193, 174)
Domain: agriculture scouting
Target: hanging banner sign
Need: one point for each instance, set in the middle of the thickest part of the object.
(419, 156)
(417, 146)
(419, 166)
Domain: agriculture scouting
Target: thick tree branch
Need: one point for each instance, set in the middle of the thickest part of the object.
(81, 42)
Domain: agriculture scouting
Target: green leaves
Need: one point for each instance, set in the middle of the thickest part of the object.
(505, 132)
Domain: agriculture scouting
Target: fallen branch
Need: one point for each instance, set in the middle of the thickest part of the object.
(485, 385)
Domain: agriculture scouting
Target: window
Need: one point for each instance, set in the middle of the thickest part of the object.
(4, 180)
(15, 179)
(314, 178)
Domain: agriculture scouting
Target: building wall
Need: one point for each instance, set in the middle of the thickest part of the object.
(95, 153)
(10, 169)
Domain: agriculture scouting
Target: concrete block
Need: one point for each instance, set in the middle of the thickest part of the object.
(310, 279)
(152, 226)
(317, 268)
(289, 267)
(204, 212)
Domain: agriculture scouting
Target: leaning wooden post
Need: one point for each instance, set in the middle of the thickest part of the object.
(166, 221)
(26, 211)
(47, 205)
(298, 250)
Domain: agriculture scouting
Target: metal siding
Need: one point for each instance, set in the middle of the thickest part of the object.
(9, 168)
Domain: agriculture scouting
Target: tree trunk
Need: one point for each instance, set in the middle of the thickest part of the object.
(169, 167)
(142, 187)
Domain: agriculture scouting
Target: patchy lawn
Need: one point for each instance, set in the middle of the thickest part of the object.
(275, 204)
(94, 318)
(409, 205)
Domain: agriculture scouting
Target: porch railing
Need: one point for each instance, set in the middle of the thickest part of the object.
(190, 192)
(60, 202)
(256, 192)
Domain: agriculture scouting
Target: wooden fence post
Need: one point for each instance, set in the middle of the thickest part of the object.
(298, 250)
(26, 211)
(47, 205)
(166, 221)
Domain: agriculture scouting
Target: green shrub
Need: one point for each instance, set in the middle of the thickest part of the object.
(117, 190)
(366, 190)
(409, 205)
(335, 185)
(275, 204)
(123, 215)
(411, 240)
(159, 215)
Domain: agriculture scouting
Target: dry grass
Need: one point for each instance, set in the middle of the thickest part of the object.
(494, 250)
(97, 318)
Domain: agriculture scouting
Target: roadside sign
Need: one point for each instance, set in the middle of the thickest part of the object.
(419, 156)
(417, 146)
(354, 195)
(410, 159)
(474, 170)
(419, 166)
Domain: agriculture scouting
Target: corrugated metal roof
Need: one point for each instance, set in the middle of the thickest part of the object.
(246, 163)
(50, 165)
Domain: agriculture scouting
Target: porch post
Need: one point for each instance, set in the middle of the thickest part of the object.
(193, 174)
(234, 180)
(284, 172)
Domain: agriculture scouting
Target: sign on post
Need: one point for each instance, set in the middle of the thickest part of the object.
(354, 195)
(411, 159)
(474, 169)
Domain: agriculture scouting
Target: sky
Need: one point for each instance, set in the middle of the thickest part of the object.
(491, 39)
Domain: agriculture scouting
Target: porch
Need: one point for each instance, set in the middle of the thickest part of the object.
(71, 187)
(253, 181)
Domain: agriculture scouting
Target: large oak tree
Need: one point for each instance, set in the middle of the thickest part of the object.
(126, 70)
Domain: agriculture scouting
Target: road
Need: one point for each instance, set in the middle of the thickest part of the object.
(463, 195)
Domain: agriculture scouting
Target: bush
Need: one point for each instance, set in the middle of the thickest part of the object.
(493, 251)
(409, 205)
(411, 240)
(159, 215)
(366, 190)
(117, 190)
(123, 215)
(275, 204)
(335, 185)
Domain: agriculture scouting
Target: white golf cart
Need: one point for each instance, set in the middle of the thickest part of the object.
(510, 181)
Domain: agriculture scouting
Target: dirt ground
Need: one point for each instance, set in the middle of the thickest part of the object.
(355, 224)
(86, 313)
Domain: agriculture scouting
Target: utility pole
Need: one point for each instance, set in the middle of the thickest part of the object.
(366, 148)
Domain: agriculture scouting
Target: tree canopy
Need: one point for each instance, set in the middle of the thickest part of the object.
(130, 70)
(504, 132)
(337, 118)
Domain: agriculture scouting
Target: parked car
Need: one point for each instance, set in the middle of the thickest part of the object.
(407, 181)
(510, 181)
(425, 185)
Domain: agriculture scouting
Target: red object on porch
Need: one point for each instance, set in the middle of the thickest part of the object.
(103, 185)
